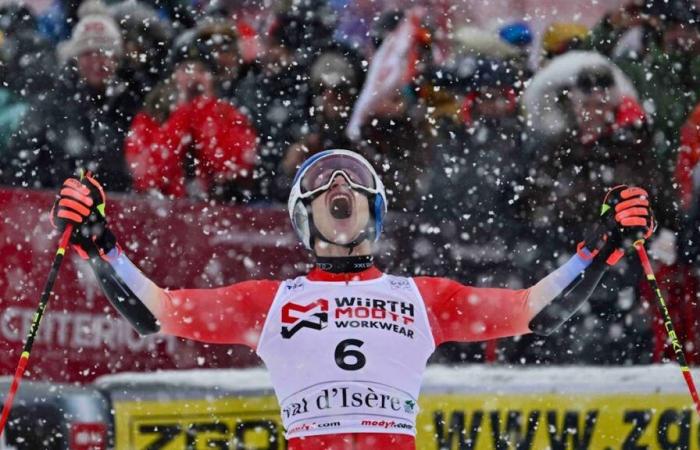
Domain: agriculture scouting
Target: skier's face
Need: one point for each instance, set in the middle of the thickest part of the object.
(340, 213)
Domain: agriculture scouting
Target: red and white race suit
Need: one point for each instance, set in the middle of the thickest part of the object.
(346, 352)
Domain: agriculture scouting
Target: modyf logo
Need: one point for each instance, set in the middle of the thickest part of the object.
(295, 317)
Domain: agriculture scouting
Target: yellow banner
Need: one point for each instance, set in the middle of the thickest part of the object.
(446, 422)
(557, 422)
(223, 424)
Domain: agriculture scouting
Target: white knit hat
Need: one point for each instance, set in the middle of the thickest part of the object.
(93, 32)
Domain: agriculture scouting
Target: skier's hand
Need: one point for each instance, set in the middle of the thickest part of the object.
(82, 203)
(629, 206)
(625, 218)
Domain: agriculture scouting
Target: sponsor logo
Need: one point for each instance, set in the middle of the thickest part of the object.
(342, 398)
(395, 316)
(295, 317)
(295, 285)
(308, 426)
(409, 406)
(399, 283)
(80, 331)
(386, 424)
(363, 265)
(88, 436)
(390, 315)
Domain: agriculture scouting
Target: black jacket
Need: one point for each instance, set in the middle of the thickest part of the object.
(71, 127)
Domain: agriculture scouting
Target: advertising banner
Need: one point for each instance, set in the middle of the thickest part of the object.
(459, 422)
(177, 243)
(473, 408)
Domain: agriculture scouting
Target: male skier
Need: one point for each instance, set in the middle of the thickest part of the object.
(346, 345)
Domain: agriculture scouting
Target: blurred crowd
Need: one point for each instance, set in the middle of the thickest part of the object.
(496, 147)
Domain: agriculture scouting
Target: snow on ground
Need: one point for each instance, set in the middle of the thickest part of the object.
(441, 379)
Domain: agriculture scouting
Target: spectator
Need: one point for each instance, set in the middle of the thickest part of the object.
(607, 145)
(688, 178)
(667, 73)
(278, 98)
(472, 45)
(478, 171)
(336, 77)
(687, 172)
(397, 138)
(389, 121)
(561, 37)
(482, 148)
(519, 35)
(186, 142)
(547, 108)
(231, 71)
(82, 121)
(681, 282)
(29, 62)
(246, 17)
(627, 31)
(27, 68)
(147, 39)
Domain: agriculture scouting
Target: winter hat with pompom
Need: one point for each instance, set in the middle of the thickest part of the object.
(96, 31)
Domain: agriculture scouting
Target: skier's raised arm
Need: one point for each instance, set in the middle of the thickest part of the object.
(233, 314)
(465, 313)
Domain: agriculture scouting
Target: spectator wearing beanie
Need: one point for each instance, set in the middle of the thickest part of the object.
(561, 37)
(147, 39)
(82, 122)
(220, 38)
(186, 142)
(336, 77)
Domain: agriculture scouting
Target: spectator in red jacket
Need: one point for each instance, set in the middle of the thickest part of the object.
(688, 157)
(186, 142)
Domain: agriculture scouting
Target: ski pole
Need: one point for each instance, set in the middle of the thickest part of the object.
(675, 343)
(24, 358)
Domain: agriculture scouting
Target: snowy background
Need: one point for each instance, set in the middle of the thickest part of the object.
(501, 127)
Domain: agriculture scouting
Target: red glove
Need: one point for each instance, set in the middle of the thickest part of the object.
(630, 208)
(626, 217)
(82, 203)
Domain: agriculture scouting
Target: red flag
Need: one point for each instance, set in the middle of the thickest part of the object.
(392, 67)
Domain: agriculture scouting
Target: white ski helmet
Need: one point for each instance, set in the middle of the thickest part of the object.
(316, 175)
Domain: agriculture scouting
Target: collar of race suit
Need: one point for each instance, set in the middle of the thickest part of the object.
(344, 269)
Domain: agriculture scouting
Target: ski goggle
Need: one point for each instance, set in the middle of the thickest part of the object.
(320, 175)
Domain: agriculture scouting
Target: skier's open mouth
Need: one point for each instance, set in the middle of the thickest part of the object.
(340, 204)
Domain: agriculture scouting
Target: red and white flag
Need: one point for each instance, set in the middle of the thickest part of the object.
(392, 67)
